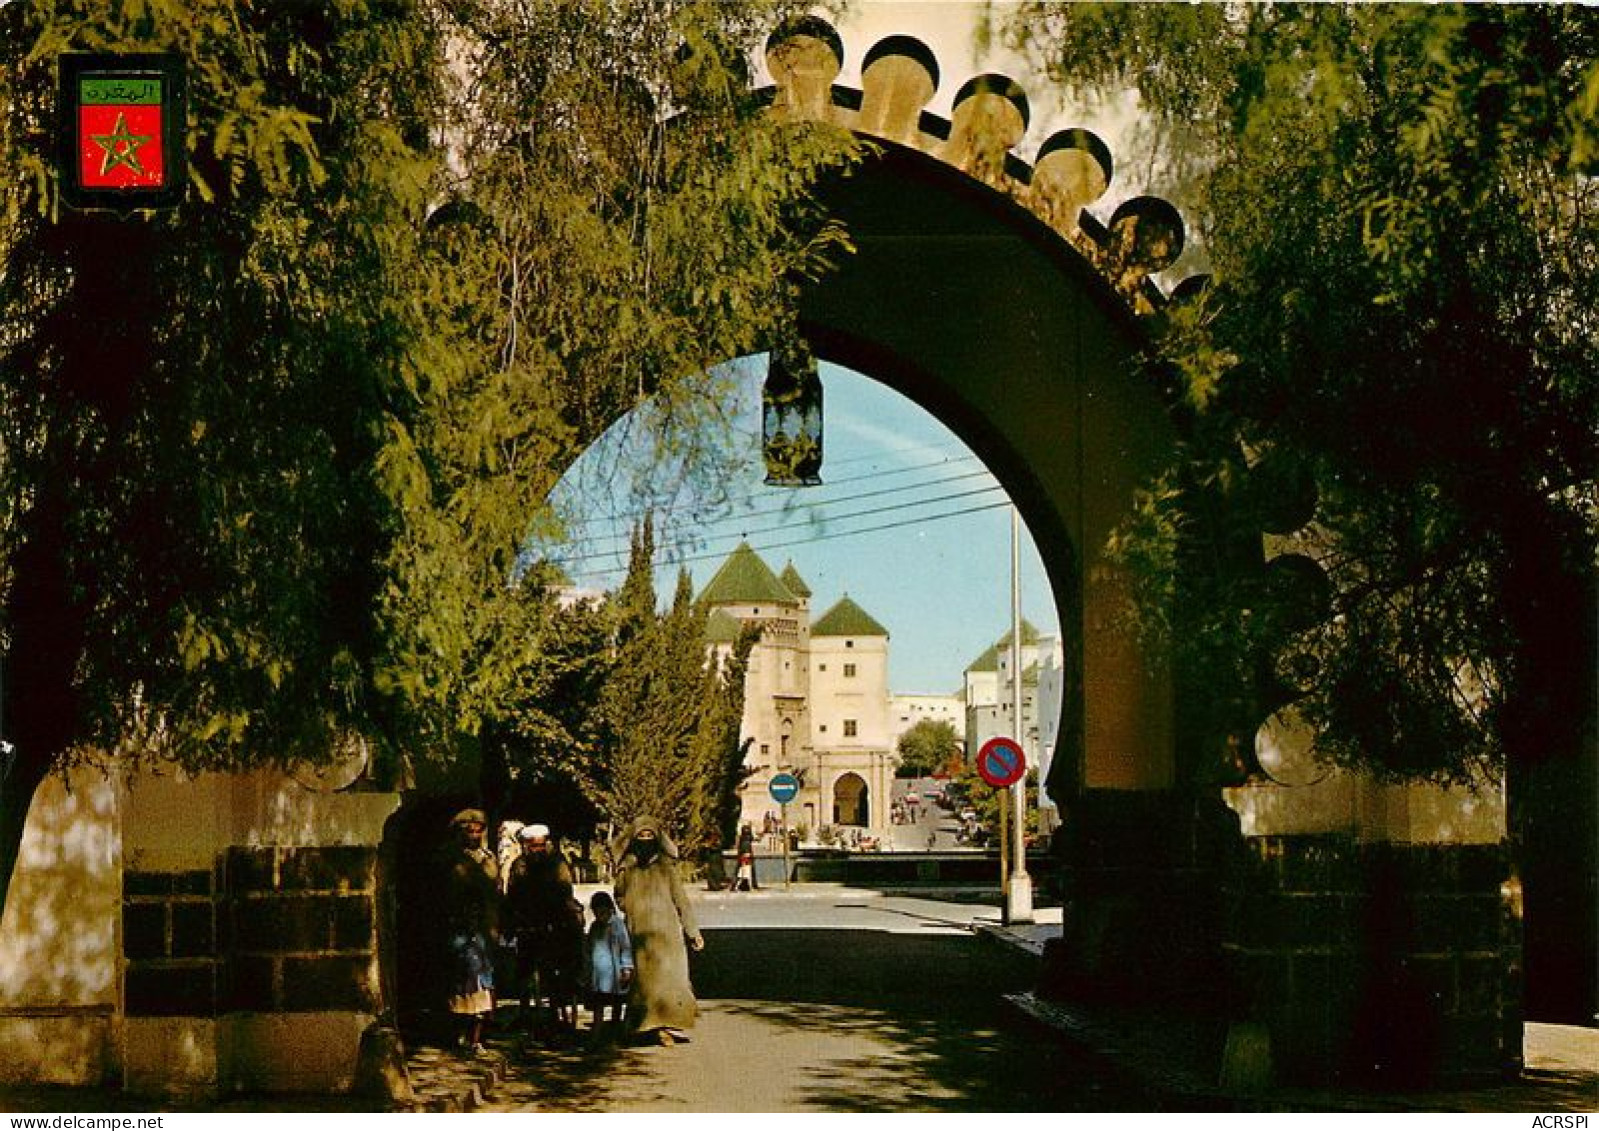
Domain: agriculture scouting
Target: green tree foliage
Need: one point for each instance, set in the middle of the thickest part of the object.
(191, 535)
(968, 790)
(625, 217)
(543, 752)
(621, 711)
(267, 459)
(1398, 205)
(927, 748)
(718, 752)
(669, 714)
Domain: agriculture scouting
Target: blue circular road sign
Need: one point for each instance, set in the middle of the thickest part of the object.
(784, 788)
(1001, 762)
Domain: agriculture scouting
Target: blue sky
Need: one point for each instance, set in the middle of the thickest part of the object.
(908, 522)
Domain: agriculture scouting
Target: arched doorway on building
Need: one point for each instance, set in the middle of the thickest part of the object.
(851, 801)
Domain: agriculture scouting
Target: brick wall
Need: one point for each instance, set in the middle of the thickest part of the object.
(169, 938)
(1140, 876)
(1378, 963)
(303, 935)
(269, 930)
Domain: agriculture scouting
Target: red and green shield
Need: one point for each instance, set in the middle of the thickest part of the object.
(122, 131)
(119, 132)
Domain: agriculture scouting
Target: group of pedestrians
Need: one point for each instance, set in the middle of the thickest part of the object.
(629, 962)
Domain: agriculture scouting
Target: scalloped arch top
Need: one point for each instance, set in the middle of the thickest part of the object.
(1073, 168)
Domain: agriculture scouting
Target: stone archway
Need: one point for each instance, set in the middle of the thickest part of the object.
(984, 289)
(851, 801)
(987, 319)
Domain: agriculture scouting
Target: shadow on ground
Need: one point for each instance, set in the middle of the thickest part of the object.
(838, 1020)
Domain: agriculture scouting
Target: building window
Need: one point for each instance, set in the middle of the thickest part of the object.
(849, 671)
(821, 667)
(849, 728)
(849, 643)
(822, 728)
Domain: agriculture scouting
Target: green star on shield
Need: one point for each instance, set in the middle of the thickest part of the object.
(121, 147)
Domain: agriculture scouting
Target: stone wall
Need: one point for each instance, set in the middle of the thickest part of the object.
(303, 929)
(249, 933)
(1379, 963)
(170, 945)
(1140, 876)
(59, 937)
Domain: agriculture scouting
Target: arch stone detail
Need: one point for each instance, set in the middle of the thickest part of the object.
(1072, 170)
(971, 306)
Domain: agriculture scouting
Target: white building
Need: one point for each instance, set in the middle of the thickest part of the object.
(816, 700)
(906, 711)
(990, 697)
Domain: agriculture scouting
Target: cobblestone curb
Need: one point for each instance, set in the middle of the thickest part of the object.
(1121, 1051)
(448, 1080)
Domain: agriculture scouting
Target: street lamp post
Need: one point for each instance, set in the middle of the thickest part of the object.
(1019, 892)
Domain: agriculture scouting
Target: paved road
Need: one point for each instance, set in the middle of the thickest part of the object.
(932, 828)
(834, 1001)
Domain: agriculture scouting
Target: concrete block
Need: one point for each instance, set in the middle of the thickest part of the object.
(194, 930)
(333, 868)
(251, 870)
(283, 925)
(144, 930)
(171, 989)
(329, 981)
(314, 1052)
(353, 923)
(252, 983)
(73, 1047)
(171, 1056)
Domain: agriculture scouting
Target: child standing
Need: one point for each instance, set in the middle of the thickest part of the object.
(609, 970)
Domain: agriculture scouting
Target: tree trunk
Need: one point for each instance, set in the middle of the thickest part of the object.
(90, 397)
(40, 702)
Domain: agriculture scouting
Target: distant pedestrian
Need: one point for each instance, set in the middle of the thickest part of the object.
(608, 972)
(744, 878)
(660, 1004)
(471, 899)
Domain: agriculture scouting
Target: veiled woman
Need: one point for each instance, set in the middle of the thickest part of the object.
(661, 1003)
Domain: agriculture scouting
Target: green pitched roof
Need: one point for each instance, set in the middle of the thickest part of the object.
(794, 582)
(746, 580)
(847, 619)
(721, 627)
(1029, 635)
(989, 660)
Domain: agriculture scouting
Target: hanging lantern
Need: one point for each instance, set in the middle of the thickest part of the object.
(791, 428)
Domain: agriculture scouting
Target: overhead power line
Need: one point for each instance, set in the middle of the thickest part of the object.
(869, 511)
(631, 517)
(829, 537)
(802, 512)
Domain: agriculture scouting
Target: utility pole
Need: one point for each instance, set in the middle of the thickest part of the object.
(1020, 890)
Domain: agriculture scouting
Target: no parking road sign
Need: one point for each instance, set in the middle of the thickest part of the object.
(784, 788)
(1001, 762)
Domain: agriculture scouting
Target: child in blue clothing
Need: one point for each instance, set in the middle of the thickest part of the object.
(609, 970)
